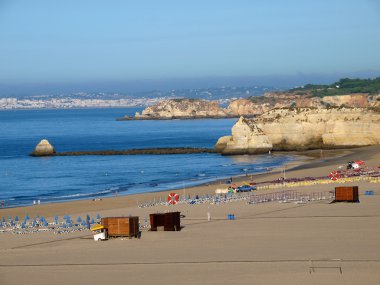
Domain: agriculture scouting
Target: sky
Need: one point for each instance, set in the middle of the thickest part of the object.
(97, 45)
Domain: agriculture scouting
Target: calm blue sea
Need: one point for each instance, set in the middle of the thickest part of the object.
(52, 179)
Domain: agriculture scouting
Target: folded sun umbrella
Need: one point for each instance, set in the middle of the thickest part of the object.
(97, 227)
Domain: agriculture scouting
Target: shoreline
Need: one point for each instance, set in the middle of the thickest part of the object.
(188, 185)
(302, 238)
(307, 165)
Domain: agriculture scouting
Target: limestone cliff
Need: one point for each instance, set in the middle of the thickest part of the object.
(273, 100)
(244, 107)
(197, 108)
(183, 108)
(303, 128)
(246, 138)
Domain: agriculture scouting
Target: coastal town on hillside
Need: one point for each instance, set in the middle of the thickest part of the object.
(113, 100)
(71, 103)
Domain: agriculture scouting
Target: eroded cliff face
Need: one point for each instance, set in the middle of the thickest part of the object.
(288, 100)
(183, 108)
(303, 128)
(246, 138)
(244, 107)
(353, 100)
(197, 108)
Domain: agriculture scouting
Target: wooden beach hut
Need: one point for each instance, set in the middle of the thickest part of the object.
(347, 194)
(121, 226)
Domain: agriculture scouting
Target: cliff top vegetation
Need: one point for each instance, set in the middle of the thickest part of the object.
(342, 87)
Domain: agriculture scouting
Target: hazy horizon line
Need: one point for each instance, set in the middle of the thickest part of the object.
(280, 81)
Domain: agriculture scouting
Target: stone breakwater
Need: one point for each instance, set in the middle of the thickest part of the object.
(151, 151)
(302, 129)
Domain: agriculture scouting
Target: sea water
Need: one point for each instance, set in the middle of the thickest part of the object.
(24, 179)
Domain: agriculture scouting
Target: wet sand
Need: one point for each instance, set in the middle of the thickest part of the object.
(269, 243)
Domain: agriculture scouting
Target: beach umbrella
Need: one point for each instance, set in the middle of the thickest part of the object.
(42, 219)
(3, 220)
(23, 225)
(79, 219)
(84, 223)
(67, 218)
(27, 217)
(98, 216)
(16, 219)
(46, 223)
(92, 221)
(88, 217)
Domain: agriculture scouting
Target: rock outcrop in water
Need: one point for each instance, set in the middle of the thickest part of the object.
(43, 148)
(301, 129)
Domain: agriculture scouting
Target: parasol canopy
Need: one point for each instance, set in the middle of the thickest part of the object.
(97, 227)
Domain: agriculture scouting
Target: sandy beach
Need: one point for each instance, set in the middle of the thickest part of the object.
(267, 243)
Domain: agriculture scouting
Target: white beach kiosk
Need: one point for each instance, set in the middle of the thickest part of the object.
(100, 233)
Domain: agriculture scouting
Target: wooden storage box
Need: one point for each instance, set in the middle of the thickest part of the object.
(156, 220)
(170, 221)
(121, 226)
(347, 194)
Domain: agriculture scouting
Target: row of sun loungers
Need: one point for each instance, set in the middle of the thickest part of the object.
(40, 224)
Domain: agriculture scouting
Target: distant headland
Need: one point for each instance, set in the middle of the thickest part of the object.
(352, 93)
